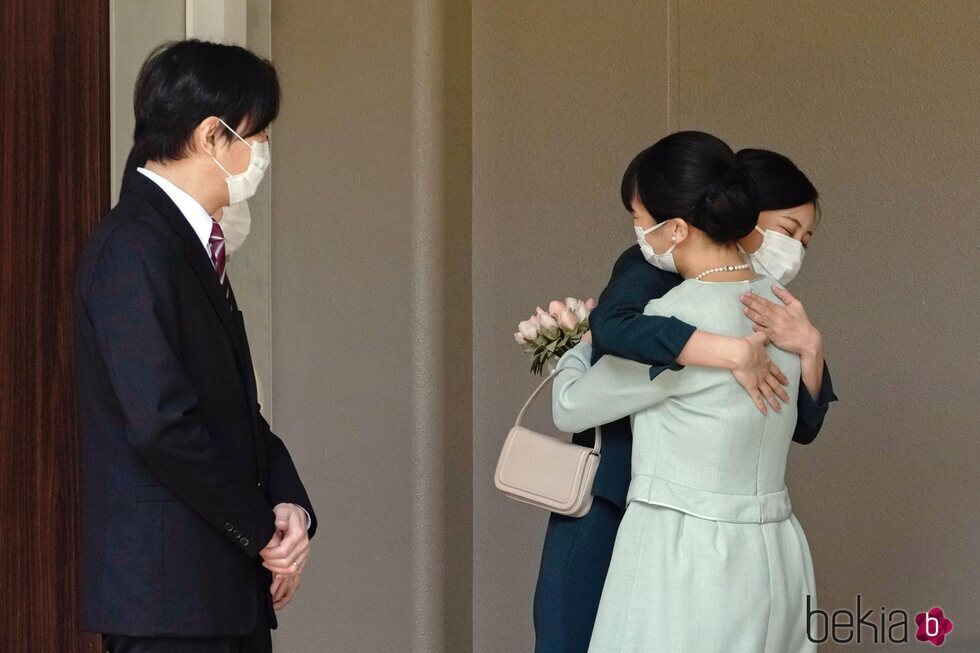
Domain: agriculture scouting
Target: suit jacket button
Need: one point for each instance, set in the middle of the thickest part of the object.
(229, 527)
(244, 541)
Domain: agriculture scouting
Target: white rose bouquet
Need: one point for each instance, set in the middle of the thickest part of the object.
(547, 335)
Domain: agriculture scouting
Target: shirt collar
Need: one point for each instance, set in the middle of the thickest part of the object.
(191, 209)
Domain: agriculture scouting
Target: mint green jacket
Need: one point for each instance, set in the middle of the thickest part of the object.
(700, 445)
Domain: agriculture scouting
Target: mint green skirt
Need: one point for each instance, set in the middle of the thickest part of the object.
(680, 583)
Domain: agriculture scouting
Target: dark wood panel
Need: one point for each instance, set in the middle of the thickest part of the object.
(54, 187)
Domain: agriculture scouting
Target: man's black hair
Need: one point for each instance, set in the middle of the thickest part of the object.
(184, 82)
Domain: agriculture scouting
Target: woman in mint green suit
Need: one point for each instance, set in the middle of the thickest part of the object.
(709, 556)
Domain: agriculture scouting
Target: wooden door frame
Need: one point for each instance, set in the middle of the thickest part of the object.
(54, 188)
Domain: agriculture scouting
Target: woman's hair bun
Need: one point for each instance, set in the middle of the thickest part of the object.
(728, 208)
(695, 176)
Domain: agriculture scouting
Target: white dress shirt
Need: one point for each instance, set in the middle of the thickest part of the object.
(190, 208)
(201, 223)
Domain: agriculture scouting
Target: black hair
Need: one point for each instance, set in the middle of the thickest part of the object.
(694, 176)
(183, 82)
(781, 184)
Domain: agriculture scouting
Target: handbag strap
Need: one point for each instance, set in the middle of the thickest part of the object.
(551, 377)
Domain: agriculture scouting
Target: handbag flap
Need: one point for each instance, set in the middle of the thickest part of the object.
(542, 465)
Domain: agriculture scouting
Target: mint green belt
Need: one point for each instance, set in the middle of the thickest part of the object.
(743, 508)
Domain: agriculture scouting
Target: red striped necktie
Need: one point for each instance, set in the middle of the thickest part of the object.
(216, 244)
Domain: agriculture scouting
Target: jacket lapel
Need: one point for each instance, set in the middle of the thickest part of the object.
(200, 263)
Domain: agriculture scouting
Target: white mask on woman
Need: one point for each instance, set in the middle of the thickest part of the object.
(779, 256)
(663, 261)
(243, 185)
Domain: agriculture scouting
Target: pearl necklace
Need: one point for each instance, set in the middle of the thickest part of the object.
(724, 268)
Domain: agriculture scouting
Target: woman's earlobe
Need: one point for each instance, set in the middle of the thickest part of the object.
(680, 230)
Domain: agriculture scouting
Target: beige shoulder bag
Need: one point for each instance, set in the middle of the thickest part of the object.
(545, 471)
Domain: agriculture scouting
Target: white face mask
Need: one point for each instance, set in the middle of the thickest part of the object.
(779, 256)
(236, 222)
(243, 185)
(663, 261)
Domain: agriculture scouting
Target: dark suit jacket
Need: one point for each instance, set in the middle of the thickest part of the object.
(620, 328)
(180, 471)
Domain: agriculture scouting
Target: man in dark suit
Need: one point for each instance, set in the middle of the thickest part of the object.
(195, 523)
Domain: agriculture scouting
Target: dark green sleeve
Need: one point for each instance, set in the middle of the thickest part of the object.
(619, 326)
(810, 411)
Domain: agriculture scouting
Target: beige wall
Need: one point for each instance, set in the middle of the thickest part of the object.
(371, 275)
(375, 260)
(877, 102)
(371, 260)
